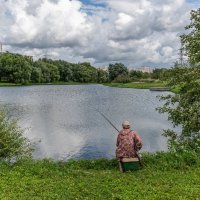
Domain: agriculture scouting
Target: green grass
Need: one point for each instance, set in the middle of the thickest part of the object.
(101, 179)
(137, 85)
(2, 84)
(8, 84)
(67, 83)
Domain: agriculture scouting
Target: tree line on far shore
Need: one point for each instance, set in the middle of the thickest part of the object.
(16, 68)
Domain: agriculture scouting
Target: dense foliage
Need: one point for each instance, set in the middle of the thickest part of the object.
(116, 70)
(12, 142)
(15, 68)
(119, 73)
(190, 40)
(184, 107)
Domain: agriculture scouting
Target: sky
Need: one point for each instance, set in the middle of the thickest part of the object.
(134, 32)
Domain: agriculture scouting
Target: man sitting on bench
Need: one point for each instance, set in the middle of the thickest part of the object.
(128, 143)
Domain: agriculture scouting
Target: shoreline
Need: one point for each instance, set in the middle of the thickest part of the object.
(137, 85)
(39, 84)
(134, 85)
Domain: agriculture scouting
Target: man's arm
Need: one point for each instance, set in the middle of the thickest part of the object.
(138, 141)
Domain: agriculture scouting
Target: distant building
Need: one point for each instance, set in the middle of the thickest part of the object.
(144, 69)
(105, 68)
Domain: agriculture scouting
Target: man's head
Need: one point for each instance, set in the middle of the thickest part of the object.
(126, 124)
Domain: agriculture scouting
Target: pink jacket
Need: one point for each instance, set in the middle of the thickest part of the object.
(127, 143)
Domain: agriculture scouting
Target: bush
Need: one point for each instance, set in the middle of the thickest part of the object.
(170, 160)
(183, 108)
(12, 143)
(122, 78)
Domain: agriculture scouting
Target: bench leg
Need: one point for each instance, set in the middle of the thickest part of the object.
(121, 166)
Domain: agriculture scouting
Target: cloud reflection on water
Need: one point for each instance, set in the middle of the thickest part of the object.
(65, 120)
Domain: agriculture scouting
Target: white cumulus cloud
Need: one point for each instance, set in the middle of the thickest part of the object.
(144, 32)
(43, 23)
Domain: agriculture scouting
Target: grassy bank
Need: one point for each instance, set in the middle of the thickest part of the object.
(8, 84)
(101, 179)
(63, 83)
(137, 85)
(54, 83)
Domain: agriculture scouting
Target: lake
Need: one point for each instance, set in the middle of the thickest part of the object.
(63, 122)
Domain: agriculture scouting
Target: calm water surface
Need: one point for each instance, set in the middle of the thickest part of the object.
(63, 121)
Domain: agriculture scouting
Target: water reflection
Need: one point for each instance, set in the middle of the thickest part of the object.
(65, 120)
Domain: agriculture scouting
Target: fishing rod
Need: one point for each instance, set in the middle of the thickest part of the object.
(108, 120)
(139, 159)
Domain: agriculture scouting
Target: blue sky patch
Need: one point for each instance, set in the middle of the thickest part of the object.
(194, 2)
(91, 2)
